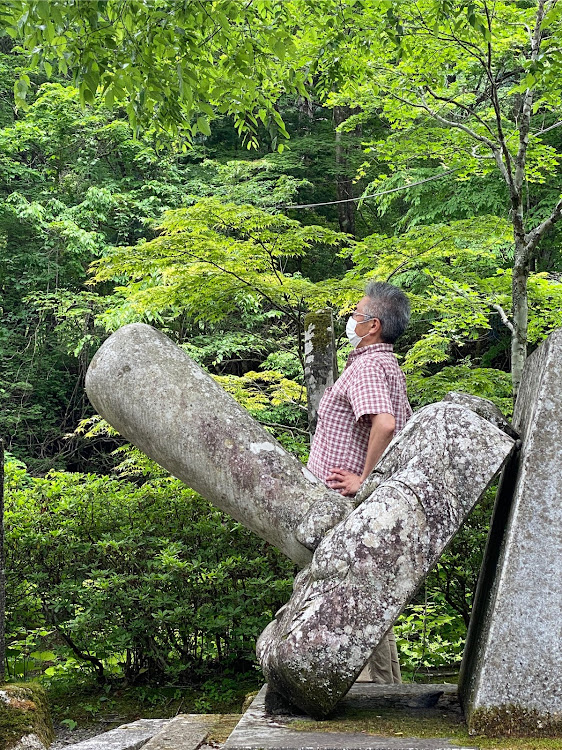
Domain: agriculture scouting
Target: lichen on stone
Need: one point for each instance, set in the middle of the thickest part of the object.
(367, 566)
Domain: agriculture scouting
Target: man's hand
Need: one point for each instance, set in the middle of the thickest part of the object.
(382, 431)
(344, 481)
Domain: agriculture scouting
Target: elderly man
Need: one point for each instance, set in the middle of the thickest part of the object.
(360, 414)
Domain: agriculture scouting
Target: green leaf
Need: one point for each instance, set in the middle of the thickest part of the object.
(43, 10)
(43, 655)
(279, 49)
(203, 125)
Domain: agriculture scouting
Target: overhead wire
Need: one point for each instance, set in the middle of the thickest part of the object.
(373, 195)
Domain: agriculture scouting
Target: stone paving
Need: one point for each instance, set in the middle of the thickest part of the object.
(257, 730)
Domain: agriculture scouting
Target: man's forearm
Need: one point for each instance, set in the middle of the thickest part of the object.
(382, 432)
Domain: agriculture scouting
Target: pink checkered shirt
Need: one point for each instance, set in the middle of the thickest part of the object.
(371, 383)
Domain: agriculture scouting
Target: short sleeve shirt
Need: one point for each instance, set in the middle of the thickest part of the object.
(371, 383)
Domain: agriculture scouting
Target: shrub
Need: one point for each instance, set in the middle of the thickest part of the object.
(150, 580)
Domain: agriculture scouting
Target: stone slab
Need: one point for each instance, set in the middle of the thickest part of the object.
(511, 674)
(126, 737)
(366, 569)
(183, 732)
(259, 731)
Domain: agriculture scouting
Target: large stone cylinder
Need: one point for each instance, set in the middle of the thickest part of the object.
(160, 400)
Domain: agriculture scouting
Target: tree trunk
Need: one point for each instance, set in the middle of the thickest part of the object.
(344, 180)
(320, 363)
(2, 573)
(520, 317)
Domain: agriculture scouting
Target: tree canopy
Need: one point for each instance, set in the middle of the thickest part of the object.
(472, 86)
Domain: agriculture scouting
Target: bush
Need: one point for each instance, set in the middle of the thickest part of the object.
(150, 581)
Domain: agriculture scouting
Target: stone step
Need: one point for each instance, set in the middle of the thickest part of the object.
(126, 737)
(258, 730)
(183, 732)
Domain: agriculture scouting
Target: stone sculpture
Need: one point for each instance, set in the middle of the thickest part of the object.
(511, 672)
(369, 559)
(157, 397)
(367, 568)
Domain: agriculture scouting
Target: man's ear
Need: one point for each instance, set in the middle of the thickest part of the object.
(375, 326)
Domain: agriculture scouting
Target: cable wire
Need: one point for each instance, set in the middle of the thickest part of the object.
(374, 195)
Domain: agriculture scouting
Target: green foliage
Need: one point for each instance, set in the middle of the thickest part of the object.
(176, 64)
(204, 245)
(84, 184)
(260, 182)
(489, 383)
(207, 256)
(74, 197)
(149, 581)
(458, 279)
(428, 81)
(428, 638)
(25, 653)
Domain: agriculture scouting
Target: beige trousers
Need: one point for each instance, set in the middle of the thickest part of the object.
(383, 666)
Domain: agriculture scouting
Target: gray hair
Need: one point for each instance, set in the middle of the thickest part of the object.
(391, 306)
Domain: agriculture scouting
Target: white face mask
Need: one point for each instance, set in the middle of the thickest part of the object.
(354, 339)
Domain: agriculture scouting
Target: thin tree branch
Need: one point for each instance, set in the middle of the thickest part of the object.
(533, 237)
(505, 168)
(461, 106)
(505, 320)
(545, 130)
(410, 259)
(444, 121)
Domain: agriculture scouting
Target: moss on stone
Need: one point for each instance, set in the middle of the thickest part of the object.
(321, 337)
(389, 723)
(248, 700)
(425, 724)
(222, 726)
(24, 710)
(514, 721)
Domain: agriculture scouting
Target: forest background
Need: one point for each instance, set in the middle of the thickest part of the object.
(142, 182)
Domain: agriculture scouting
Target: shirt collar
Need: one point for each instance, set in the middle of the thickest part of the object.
(370, 349)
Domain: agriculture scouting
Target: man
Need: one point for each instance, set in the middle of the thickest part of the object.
(360, 414)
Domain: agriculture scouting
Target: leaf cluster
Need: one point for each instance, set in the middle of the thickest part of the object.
(150, 575)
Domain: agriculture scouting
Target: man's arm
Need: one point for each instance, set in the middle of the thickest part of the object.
(382, 432)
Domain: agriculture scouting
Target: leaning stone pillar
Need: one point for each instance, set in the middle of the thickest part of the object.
(511, 676)
(160, 400)
(320, 364)
(367, 568)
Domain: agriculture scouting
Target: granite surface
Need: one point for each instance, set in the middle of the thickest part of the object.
(160, 400)
(511, 675)
(367, 567)
(257, 730)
